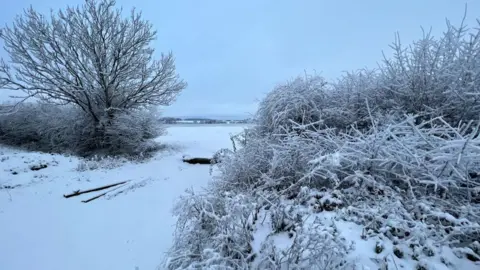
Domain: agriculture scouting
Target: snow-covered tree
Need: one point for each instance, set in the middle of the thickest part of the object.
(89, 56)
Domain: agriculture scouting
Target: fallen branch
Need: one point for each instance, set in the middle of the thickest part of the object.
(199, 160)
(79, 192)
(131, 187)
(103, 194)
(9, 187)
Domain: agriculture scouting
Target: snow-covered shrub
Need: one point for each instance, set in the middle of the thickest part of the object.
(245, 169)
(437, 76)
(43, 127)
(414, 184)
(276, 162)
(132, 133)
(379, 177)
(301, 100)
(65, 129)
(225, 231)
(20, 127)
(100, 162)
(353, 100)
(213, 232)
(313, 244)
(297, 236)
(428, 159)
(394, 150)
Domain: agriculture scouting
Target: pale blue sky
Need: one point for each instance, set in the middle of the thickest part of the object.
(232, 52)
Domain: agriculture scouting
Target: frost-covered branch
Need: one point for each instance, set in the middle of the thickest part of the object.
(89, 56)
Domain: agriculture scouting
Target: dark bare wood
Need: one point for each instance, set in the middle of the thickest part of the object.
(103, 194)
(96, 197)
(79, 192)
(199, 160)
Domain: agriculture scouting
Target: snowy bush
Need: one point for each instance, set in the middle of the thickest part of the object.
(301, 242)
(354, 99)
(219, 231)
(246, 168)
(276, 162)
(395, 150)
(100, 162)
(413, 183)
(213, 232)
(438, 76)
(300, 100)
(42, 127)
(64, 129)
(132, 133)
(429, 159)
(19, 127)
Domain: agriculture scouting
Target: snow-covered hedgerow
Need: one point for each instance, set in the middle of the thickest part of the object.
(43, 127)
(394, 151)
(65, 129)
(413, 186)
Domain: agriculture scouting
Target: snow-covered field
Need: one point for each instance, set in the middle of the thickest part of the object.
(40, 229)
(131, 227)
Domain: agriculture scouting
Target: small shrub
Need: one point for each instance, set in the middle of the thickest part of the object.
(99, 162)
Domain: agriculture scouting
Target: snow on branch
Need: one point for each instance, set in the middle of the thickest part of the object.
(89, 56)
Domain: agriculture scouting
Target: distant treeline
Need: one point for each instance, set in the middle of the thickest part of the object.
(173, 120)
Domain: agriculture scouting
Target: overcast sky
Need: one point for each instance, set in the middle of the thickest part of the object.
(232, 52)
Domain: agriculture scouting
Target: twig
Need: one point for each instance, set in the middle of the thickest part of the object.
(374, 126)
(9, 195)
(394, 262)
(78, 192)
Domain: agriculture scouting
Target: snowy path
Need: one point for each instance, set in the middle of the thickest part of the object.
(39, 229)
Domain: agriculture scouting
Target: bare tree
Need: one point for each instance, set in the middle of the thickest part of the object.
(89, 56)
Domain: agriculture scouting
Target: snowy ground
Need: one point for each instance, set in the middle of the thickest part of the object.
(372, 253)
(39, 229)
